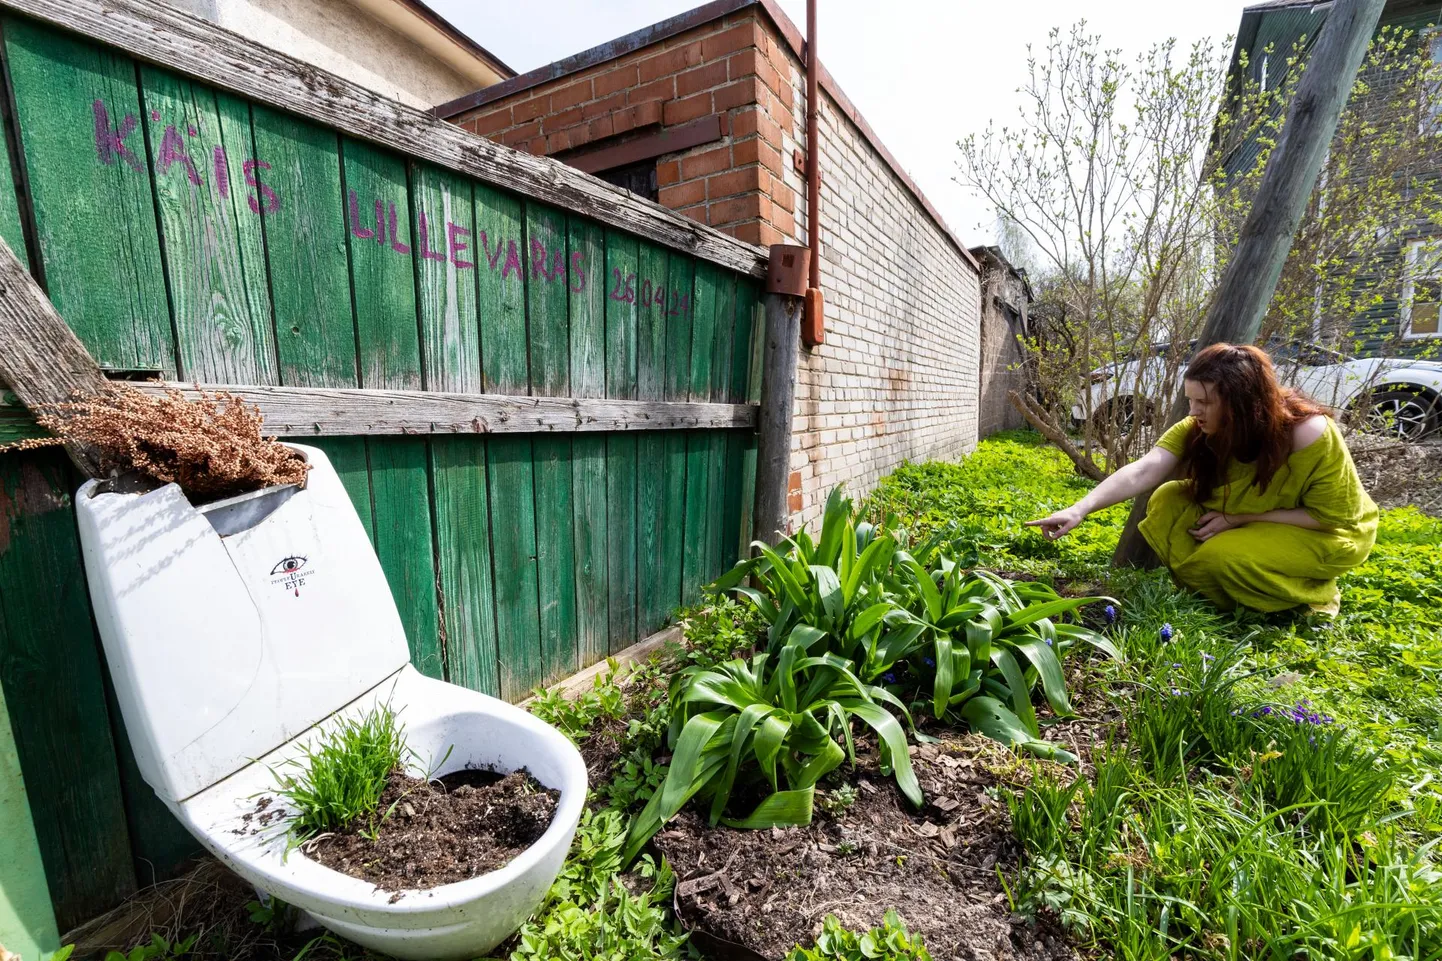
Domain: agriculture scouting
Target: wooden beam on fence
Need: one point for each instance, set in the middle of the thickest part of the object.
(152, 31)
(298, 412)
(41, 359)
(778, 395)
(1250, 279)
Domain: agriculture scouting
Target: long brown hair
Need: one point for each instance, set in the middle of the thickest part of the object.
(1256, 417)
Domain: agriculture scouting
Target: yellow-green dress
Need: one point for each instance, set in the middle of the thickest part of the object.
(1266, 566)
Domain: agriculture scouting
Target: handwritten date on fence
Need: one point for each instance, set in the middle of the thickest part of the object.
(624, 290)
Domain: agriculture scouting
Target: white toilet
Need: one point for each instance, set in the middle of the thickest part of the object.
(236, 631)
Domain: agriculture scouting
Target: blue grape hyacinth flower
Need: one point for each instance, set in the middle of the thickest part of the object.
(929, 661)
(1110, 612)
(1166, 633)
(888, 678)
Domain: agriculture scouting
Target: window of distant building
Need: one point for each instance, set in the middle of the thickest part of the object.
(1432, 110)
(1422, 289)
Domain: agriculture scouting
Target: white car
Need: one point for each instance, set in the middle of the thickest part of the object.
(1398, 397)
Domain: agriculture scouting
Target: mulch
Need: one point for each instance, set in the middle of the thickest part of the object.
(462, 825)
(758, 893)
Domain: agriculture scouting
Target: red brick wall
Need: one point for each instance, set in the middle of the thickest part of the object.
(732, 67)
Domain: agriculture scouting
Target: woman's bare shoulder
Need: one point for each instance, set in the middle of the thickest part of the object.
(1308, 432)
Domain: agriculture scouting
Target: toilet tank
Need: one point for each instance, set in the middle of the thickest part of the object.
(232, 628)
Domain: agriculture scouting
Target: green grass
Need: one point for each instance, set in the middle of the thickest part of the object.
(338, 781)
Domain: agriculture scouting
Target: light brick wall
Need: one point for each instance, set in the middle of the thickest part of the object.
(897, 378)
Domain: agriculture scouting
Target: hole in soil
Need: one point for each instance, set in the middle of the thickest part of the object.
(469, 777)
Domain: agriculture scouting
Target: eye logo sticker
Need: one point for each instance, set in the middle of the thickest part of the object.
(290, 573)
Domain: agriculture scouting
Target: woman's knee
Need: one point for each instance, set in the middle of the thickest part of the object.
(1169, 497)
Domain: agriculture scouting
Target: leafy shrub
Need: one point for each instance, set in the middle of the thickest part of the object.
(574, 716)
(340, 776)
(978, 642)
(890, 942)
(590, 914)
(777, 718)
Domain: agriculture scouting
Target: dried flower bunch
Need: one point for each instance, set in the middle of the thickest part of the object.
(211, 446)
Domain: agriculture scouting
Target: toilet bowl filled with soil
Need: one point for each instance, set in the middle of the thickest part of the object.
(441, 831)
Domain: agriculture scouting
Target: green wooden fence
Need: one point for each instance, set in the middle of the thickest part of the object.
(186, 232)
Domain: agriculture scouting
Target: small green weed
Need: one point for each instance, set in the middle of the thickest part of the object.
(890, 942)
(838, 800)
(339, 778)
(575, 716)
(159, 949)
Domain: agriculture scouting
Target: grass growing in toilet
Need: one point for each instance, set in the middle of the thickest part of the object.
(341, 775)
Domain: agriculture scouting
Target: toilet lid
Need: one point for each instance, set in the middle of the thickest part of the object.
(222, 648)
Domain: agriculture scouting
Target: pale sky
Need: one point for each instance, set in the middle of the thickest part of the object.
(924, 73)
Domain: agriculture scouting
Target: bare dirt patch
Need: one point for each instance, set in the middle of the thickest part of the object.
(462, 825)
(766, 891)
(1398, 474)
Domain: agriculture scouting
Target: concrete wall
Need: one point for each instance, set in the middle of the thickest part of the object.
(897, 378)
(336, 35)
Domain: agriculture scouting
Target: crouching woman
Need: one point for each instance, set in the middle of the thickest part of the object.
(1268, 510)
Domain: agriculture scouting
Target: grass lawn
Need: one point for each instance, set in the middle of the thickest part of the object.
(1271, 791)
(1248, 786)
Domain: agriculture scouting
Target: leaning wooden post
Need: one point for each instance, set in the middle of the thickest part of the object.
(785, 290)
(1251, 277)
(41, 359)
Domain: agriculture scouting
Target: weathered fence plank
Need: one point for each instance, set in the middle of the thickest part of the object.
(620, 376)
(298, 195)
(443, 235)
(214, 248)
(320, 411)
(720, 386)
(695, 553)
(382, 268)
(51, 668)
(399, 492)
(549, 326)
(652, 607)
(513, 558)
(501, 305)
(680, 317)
(12, 229)
(78, 107)
(586, 247)
(463, 558)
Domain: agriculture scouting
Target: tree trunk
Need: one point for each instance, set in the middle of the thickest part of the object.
(1251, 278)
(1034, 416)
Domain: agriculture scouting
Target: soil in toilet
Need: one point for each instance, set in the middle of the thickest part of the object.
(452, 828)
